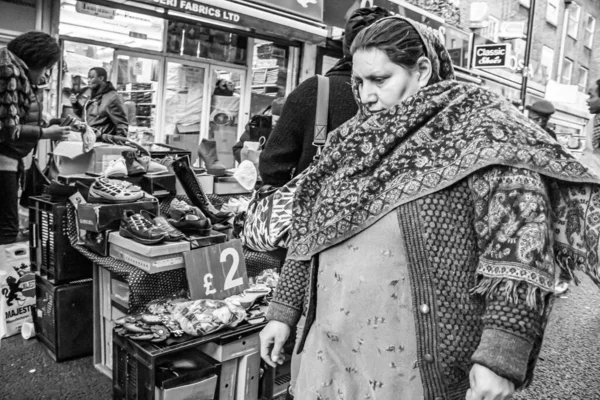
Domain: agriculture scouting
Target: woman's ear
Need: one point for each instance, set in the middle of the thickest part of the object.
(424, 70)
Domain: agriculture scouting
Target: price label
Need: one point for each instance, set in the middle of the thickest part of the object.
(217, 271)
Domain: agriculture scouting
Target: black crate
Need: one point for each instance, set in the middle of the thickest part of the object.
(52, 255)
(64, 318)
(134, 362)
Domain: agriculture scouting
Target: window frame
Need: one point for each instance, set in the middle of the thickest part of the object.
(491, 31)
(551, 64)
(580, 87)
(588, 41)
(552, 12)
(573, 21)
(567, 62)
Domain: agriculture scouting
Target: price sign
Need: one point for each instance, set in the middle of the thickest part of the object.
(217, 271)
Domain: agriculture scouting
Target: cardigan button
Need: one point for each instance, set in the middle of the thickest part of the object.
(428, 358)
(424, 309)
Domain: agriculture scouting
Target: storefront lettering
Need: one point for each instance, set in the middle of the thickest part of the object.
(194, 7)
(210, 11)
(490, 56)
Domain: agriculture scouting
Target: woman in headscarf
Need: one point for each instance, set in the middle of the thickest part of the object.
(424, 239)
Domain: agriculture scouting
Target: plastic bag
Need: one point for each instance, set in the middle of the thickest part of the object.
(201, 317)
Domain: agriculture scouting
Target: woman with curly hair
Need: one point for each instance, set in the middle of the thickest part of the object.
(23, 63)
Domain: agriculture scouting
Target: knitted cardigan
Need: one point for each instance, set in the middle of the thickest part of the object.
(289, 149)
(458, 322)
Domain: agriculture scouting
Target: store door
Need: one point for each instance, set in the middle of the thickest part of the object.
(137, 77)
(184, 104)
(226, 98)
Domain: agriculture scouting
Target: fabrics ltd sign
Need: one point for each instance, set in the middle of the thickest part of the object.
(197, 8)
(488, 56)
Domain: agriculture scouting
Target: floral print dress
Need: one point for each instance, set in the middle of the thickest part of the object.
(364, 304)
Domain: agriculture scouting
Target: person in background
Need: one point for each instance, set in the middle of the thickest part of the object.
(104, 111)
(540, 112)
(259, 126)
(593, 103)
(23, 63)
(424, 240)
(289, 150)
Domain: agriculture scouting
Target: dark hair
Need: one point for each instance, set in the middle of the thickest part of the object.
(598, 87)
(397, 38)
(38, 50)
(358, 20)
(100, 73)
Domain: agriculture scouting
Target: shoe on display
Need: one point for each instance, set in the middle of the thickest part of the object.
(126, 185)
(192, 224)
(178, 208)
(106, 191)
(139, 228)
(133, 164)
(116, 169)
(153, 166)
(207, 151)
(173, 234)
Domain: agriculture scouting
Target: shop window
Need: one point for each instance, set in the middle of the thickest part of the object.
(567, 71)
(111, 25)
(547, 61)
(137, 83)
(199, 41)
(552, 12)
(590, 27)
(270, 64)
(573, 24)
(78, 59)
(582, 80)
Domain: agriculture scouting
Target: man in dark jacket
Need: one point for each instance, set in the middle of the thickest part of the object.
(289, 149)
(540, 113)
(104, 112)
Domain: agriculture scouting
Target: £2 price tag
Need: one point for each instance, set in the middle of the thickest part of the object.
(217, 271)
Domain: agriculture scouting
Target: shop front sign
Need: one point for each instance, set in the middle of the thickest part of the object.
(198, 8)
(312, 9)
(95, 10)
(491, 56)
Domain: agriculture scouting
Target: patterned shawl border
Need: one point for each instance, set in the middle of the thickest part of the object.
(304, 252)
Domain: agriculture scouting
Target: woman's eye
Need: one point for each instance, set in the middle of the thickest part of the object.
(379, 81)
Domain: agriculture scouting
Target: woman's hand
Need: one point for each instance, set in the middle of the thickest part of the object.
(274, 334)
(55, 132)
(486, 385)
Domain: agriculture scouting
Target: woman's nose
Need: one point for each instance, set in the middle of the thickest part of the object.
(367, 94)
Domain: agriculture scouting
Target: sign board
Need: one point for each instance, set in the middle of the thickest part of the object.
(312, 9)
(95, 10)
(198, 8)
(511, 29)
(217, 271)
(491, 56)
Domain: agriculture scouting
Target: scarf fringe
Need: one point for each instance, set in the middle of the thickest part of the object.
(496, 287)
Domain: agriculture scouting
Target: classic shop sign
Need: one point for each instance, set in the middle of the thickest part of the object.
(197, 8)
(491, 56)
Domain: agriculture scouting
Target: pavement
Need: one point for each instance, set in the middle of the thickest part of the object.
(569, 367)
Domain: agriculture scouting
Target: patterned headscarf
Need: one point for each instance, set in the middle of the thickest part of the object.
(376, 162)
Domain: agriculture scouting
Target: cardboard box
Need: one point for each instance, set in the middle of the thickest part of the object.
(228, 185)
(97, 242)
(202, 389)
(235, 349)
(101, 217)
(163, 249)
(151, 265)
(70, 158)
(159, 185)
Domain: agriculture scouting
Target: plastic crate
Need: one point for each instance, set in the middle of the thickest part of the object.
(134, 363)
(63, 318)
(52, 255)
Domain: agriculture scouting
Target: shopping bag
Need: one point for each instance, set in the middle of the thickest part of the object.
(17, 286)
(269, 217)
(217, 271)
